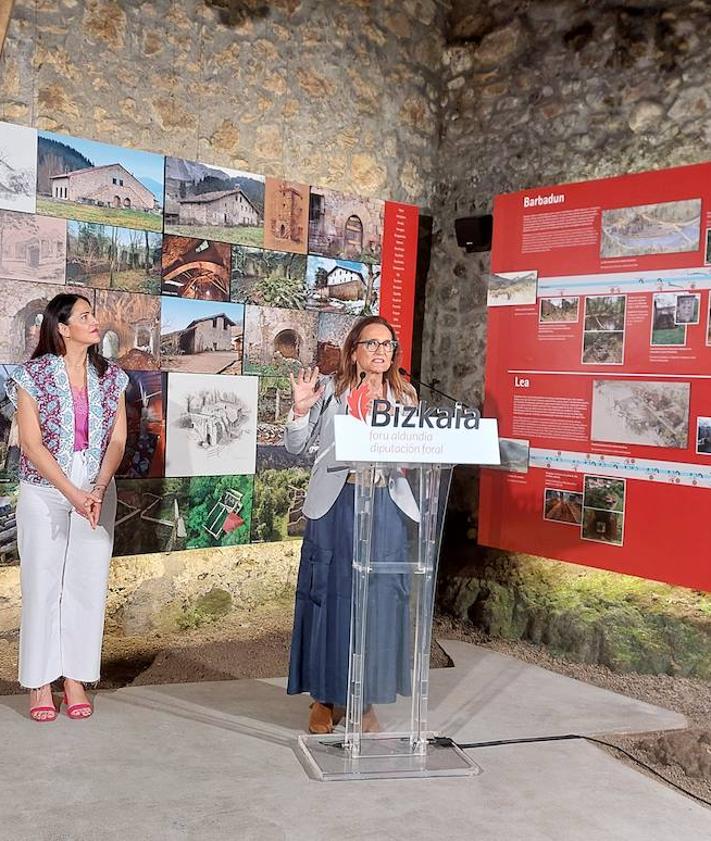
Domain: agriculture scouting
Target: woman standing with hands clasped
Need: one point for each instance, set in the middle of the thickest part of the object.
(320, 643)
(72, 426)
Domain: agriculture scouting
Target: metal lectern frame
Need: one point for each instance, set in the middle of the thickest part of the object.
(412, 751)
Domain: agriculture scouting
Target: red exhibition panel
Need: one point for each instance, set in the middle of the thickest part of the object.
(398, 272)
(599, 372)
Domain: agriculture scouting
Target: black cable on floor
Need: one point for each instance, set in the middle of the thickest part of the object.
(443, 741)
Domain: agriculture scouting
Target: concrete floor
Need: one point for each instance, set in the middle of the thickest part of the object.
(217, 761)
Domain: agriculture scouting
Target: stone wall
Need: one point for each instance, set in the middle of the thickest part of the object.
(335, 93)
(341, 94)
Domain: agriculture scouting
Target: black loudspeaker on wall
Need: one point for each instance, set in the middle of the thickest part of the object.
(474, 232)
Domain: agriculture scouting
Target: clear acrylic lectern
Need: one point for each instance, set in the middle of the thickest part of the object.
(394, 576)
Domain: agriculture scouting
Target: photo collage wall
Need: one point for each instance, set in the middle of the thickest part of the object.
(210, 285)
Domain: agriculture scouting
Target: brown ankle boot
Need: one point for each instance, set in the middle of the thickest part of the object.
(320, 718)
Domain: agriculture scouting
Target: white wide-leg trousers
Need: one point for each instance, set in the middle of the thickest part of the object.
(64, 567)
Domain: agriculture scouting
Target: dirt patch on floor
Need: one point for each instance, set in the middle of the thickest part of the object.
(255, 644)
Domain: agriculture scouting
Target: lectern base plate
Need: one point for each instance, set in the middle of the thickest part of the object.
(382, 756)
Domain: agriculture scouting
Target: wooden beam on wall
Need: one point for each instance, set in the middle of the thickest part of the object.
(5, 14)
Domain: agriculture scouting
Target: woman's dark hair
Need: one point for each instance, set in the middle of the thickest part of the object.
(347, 373)
(57, 312)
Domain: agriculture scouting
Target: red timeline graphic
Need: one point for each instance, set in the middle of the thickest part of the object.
(399, 267)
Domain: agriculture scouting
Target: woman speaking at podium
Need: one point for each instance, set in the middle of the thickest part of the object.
(72, 424)
(370, 359)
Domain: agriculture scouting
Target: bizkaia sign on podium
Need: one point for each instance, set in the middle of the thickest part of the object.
(420, 434)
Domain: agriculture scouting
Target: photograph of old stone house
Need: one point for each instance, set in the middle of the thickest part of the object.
(332, 331)
(213, 202)
(196, 268)
(113, 258)
(342, 286)
(286, 216)
(22, 306)
(96, 182)
(268, 278)
(144, 455)
(348, 227)
(18, 168)
(201, 336)
(32, 247)
(277, 341)
(211, 425)
(9, 436)
(129, 327)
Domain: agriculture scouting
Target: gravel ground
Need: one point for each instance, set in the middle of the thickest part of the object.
(256, 644)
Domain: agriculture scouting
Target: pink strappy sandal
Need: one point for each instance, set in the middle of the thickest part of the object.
(76, 711)
(41, 709)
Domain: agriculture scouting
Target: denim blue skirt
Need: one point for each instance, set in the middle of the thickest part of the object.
(321, 638)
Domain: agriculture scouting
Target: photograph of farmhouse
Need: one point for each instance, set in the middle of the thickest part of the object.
(268, 278)
(145, 415)
(277, 341)
(196, 268)
(18, 168)
(213, 202)
(342, 286)
(332, 331)
(129, 327)
(201, 336)
(32, 247)
(212, 425)
(22, 307)
(286, 216)
(347, 227)
(107, 257)
(96, 182)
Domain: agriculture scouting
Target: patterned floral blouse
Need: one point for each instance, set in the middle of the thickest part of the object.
(46, 380)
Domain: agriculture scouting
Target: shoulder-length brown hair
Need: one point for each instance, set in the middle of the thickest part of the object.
(347, 374)
(50, 340)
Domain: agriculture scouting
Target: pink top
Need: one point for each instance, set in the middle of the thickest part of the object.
(81, 418)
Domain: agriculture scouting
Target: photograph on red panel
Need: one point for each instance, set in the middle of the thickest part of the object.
(660, 228)
(604, 334)
(558, 310)
(561, 506)
(665, 330)
(603, 509)
(654, 414)
(510, 288)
